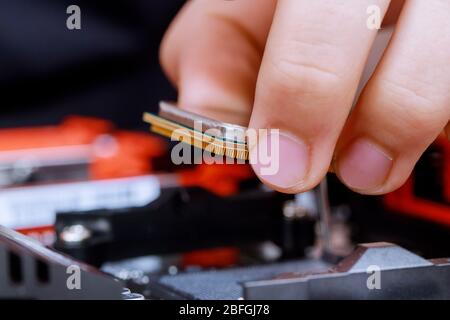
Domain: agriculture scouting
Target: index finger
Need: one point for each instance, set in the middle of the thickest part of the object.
(315, 55)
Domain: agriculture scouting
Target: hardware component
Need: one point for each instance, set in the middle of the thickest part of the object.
(29, 270)
(214, 136)
(53, 168)
(75, 234)
(224, 284)
(402, 275)
(128, 295)
(180, 220)
(36, 206)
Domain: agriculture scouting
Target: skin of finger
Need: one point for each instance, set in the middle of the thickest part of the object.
(313, 61)
(393, 12)
(406, 104)
(212, 53)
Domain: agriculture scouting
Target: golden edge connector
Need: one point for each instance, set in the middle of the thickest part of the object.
(197, 139)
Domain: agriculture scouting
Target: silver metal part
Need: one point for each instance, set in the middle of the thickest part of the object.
(128, 295)
(219, 129)
(402, 275)
(75, 234)
(323, 205)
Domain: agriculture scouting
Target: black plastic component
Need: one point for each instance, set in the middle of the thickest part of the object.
(181, 219)
(29, 270)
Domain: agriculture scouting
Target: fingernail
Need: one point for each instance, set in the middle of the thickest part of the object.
(364, 166)
(279, 160)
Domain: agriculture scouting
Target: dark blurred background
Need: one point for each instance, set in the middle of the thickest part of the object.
(109, 68)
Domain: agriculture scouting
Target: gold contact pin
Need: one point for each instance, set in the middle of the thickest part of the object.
(213, 136)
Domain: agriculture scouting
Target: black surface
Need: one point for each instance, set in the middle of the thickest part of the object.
(184, 219)
(226, 284)
(109, 68)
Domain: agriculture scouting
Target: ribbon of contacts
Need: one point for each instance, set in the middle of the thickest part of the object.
(217, 137)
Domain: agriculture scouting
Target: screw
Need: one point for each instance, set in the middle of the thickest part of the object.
(75, 234)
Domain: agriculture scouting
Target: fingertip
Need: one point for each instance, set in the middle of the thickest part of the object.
(363, 166)
(280, 160)
(204, 95)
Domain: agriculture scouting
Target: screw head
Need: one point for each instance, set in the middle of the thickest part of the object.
(75, 234)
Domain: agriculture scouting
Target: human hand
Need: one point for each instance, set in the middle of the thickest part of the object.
(295, 65)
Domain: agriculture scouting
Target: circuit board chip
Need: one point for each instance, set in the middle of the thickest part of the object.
(217, 137)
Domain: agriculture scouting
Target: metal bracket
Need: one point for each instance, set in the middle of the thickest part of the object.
(373, 271)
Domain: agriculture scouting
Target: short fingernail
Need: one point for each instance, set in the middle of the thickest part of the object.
(280, 160)
(364, 166)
